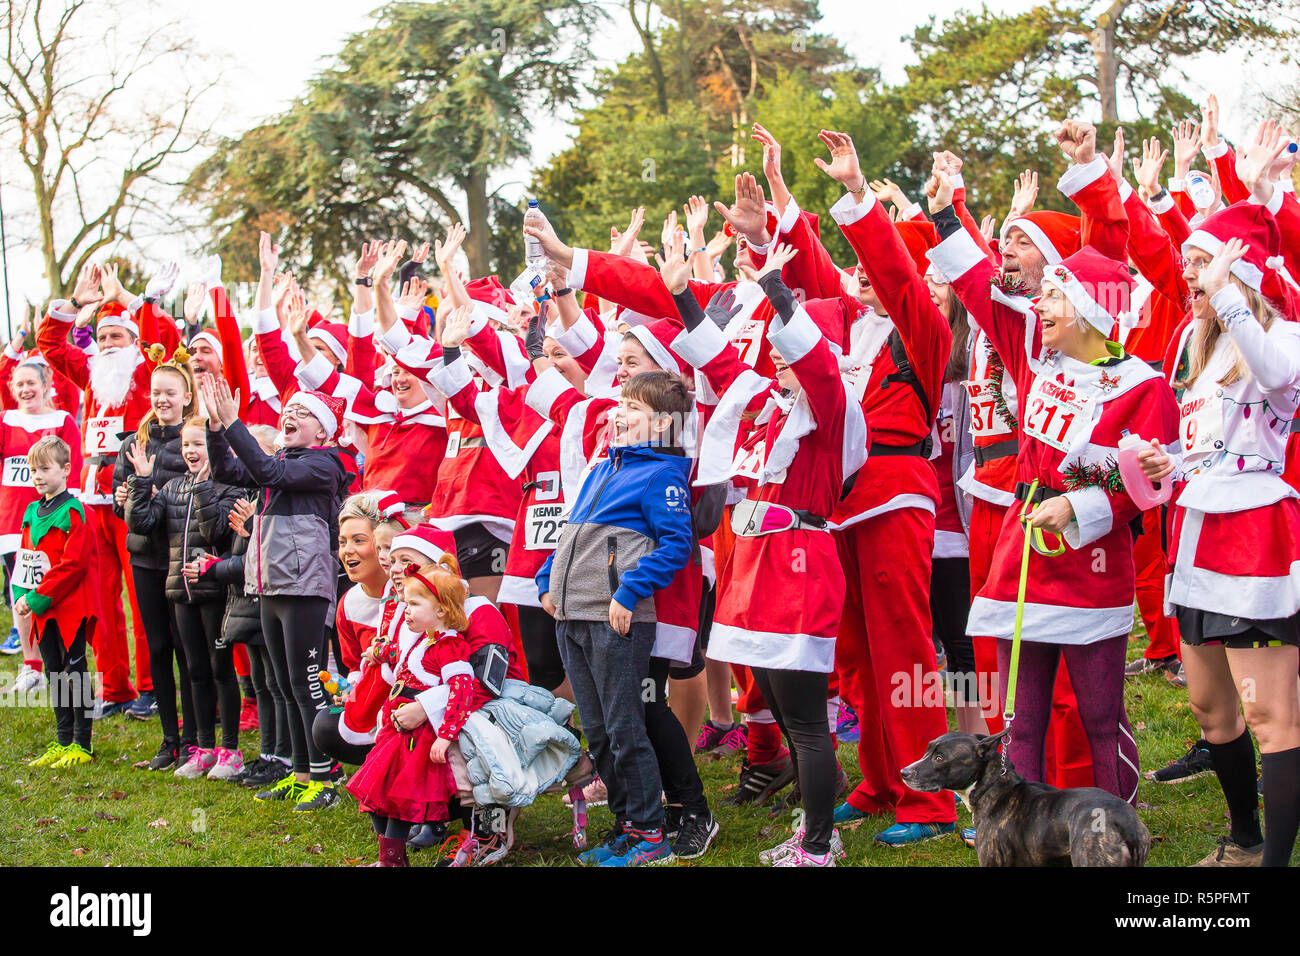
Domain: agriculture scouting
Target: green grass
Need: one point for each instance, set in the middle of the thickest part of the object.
(109, 813)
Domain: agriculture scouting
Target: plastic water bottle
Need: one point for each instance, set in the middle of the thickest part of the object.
(1200, 190)
(533, 254)
(1145, 494)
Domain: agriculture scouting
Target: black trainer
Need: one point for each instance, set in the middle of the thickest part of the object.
(1195, 763)
(673, 814)
(693, 839)
(169, 753)
(263, 772)
(760, 780)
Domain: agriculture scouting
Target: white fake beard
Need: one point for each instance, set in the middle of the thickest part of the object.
(111, 376)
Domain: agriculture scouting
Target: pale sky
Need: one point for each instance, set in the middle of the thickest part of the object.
(273, 48)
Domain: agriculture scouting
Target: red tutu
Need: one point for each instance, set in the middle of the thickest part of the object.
(399, 780)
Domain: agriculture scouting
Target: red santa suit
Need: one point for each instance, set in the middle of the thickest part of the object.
(102, 430)
(357, 622)
(19, 431)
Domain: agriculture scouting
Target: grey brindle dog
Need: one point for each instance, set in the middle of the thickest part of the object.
(1020, 823)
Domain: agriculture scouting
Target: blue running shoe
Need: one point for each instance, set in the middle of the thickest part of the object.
(848, 815)
(143, 707)
(615, 843)
(643, 853)
(968, 836)
(905, 834)
(12, 645)
(846, 727)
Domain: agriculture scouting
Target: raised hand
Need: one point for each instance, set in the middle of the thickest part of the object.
(389, 256)
(622, 243)
(1214, 275)
(1210, 122)
(771, 152)
(240, 512)
(886, 190)
(843, 167)
(161, 282)
(140, 460)
(1116, 158)
(219, 401)
(268, 254)
(777, 257)
(86, 290)
(674, 268)
(366, 260)
(113, 290)
(939, 191)
(748, 214)
(1147, 171)
(696, 216)
(420, 254)
(1187, 140)
(455, 330)
(413, 293)
(20, 334)
(669, 228)
(1078, 140)
(1253, 166)
(210, 271)
(988, 227)
(195, 299)
(444, 253)
(1024, 195)
(718, 244)
(722, 308)
(295, 308)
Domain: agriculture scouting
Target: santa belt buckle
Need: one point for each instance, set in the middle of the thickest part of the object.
(753, 519)
(399, 690)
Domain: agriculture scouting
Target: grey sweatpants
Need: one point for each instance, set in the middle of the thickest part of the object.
(606, 671)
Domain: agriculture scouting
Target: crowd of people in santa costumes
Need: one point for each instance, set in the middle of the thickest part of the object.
(491, 541)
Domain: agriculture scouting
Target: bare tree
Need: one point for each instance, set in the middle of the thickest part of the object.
(101, 99)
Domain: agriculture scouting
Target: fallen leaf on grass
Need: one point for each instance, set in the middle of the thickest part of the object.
(140, 765)
(101, 815)
(81, 829)
(117, 795)
(352, 860)
(79, 851)
(158, 824)
(25, 796)
(315, 848)
(47, 821)
(1145, 806)
(1157, 838)
(1140, 725)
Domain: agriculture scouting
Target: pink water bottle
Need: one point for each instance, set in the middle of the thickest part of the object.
(1145, 494)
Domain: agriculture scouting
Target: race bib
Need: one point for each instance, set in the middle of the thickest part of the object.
(18, 473)
(748, 462)
(985, 422)
(1057, 413)
(101, 435)
(542, 524)
(749, 342)
(1200, 423)
(30, 568)
(453, 443)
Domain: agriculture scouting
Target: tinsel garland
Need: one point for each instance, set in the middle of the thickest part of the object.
(1009, 284)
(996, 370)
(1104, 475)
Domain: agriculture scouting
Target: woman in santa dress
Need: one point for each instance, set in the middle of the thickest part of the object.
(1081, 394)
(813, 436)
(406, 778)
(1235, 542)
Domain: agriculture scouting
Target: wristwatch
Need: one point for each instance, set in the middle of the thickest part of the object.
(365, 281)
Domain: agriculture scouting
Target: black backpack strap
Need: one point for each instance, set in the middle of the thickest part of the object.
(906, 374)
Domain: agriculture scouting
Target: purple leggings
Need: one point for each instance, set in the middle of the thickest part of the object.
(1097, 674)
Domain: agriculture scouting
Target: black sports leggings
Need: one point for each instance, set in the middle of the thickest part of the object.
(325, 731)
(541, 649)
(71, 692)
(949, 608)
(160, 632)
(272, 706)
(798, 702)
(673, 750)
(294, 631)
(212, 671)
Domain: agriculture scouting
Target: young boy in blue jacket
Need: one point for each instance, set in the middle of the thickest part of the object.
(628, 534)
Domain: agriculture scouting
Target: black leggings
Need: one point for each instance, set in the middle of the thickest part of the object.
(798, 703)
(212, 672)
(325, 732)
(541, 649)
(949, 608)
(294, 631)
(160, 632)
(677, 770)
(71, 692)
(272, 706)
(390, 827)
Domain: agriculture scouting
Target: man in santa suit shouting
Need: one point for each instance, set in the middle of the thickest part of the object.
(116, 385)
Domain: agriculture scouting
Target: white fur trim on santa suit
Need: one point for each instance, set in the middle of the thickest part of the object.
(313, 373)
(317, 408)
(434, 701)
(516, 362)
(603, 380)
(1247, 272)
(212, 340)
(418, 544)
(519, 591)
(672, 642)
(956, 255)
(352, 736)
(361, 324)
(1163, 204)
(911, 212)
(778, 651)
(1048, 623)
(718, 443)
(480, 314)
(1079, 177)
(334, 345)
(548, 387)
(395, 338)
(1214, 152)
(579, 338)
(1259, 598)
(1125, 190)
(264, 322)
(788, 218)
(456, 669)
(578, 269)
(896, 503)
(701, 345)
(846, 212)
(796, 338)
(512, 458)
(1092, 517)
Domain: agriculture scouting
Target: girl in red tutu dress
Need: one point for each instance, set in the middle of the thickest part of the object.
(406, 778)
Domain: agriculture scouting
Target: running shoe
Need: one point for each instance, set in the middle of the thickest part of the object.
(968, 836)
(770, 856)
(1197, 762)
(846, 814)
(1228, 853)
(906, 834)
(168, 756)
(12, 644)
(199, 762)
(229, 763)
(693, 838)
(144, 707)
(458, 850)
(1177, 677)
(73, 754)
(494, 833)
(642, 853)
(317, 795)
(28, 679)
(758, 782)
(1151, 665)
(798, 856)
(673, 814)
(710, 736)
(288, 788)
(53, 753)
(846, 727)
(612, 842)
(595, 793)
(248, 714)
(104, 709)
(734, 741)
(426, 835)
(795, 797)
(264, 771)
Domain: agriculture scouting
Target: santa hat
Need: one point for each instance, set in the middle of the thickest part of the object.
(393, 507)
(490, 297)
(919, 237)
(1055, 234)
(212, 340)
(427, 541)
(114, 313)
(335, 337)
(1098, 286)
(1252, 224)
(656, 338)
(327, 409)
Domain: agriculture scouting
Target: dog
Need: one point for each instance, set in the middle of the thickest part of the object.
(1020, 823)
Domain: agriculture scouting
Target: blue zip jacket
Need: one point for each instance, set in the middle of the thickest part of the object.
(628, 534)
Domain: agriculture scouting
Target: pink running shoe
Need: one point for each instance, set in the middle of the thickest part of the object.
(229, 763)
(798, 856)
(733, 742)
(200, 762)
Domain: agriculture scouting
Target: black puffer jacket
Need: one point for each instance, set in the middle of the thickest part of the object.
(150, 550)
(193, 516)
(242, 622)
